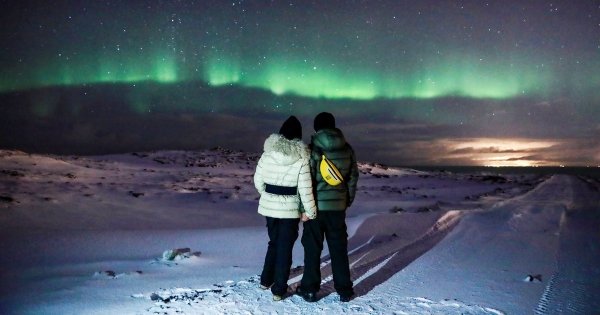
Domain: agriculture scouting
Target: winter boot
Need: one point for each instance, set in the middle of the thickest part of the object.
(307, 296)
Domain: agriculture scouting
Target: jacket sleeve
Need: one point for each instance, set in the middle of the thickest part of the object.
(258, 177)
(353, 180)
(314, 159)
(305, 190)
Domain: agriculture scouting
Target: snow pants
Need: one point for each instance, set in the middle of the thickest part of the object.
(332, 226)
(278, 260)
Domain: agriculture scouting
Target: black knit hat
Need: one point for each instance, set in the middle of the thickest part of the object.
(324, 121)
(291, 128)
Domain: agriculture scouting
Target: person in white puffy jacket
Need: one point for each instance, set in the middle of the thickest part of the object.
(284, 182)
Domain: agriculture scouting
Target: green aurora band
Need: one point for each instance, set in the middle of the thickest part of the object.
(453, 76)
(456, 78)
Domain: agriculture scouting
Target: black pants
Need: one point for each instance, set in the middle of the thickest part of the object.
(278, 260)
(332, 225)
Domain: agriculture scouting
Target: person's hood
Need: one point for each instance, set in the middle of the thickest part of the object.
(285, 151)
(329, 139)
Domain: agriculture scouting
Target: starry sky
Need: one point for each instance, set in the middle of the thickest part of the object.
(411, 82)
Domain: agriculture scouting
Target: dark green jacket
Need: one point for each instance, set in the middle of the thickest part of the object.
(332, 143)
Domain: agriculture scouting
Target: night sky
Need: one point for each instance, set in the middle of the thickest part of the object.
(411, 82)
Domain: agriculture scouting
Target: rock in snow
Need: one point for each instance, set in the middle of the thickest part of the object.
(178, 254)
(533, 278)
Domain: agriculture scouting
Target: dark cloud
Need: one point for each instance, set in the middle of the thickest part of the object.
(109, 119)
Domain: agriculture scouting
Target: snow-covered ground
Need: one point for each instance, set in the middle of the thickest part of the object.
(86, 235)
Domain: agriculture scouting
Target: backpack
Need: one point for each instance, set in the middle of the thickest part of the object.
(329, 172)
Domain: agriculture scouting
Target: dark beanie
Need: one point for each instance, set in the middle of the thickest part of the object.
(324, 121)
(291, 128)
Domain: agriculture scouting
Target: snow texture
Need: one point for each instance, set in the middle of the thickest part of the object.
(175, 232)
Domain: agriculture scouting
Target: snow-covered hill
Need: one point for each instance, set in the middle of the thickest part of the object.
(88, 234)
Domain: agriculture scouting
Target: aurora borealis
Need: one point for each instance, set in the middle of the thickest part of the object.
(376, 49)
(467, 69)
(296, 76)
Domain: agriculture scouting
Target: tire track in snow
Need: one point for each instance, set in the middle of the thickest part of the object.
(543, 305)
(574, 287)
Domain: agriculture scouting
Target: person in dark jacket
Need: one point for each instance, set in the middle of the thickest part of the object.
(332, 202)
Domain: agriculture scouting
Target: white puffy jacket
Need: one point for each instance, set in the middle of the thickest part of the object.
(284, 163)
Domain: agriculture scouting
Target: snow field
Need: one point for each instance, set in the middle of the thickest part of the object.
(87, 235)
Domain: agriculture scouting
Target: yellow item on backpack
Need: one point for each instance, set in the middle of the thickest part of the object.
(330, 173)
